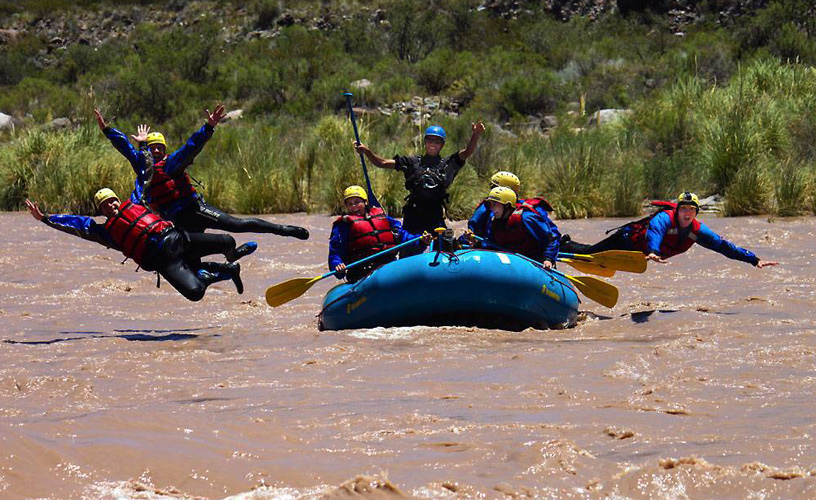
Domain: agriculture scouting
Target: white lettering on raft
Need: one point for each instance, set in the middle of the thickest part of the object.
(505, 259)
(354, 305)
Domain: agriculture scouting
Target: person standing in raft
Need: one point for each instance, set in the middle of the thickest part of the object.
(154, 244)
(427, 177)
(520, 228)
(362, 232)
(481, 216)
(167, 187)
(669, 232)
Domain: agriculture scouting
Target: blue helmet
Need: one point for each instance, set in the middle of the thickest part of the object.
(435, 131)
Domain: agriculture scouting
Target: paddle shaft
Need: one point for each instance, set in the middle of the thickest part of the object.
(372, 198)
(372, 257)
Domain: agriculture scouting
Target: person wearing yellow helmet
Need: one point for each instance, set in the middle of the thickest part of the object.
(481, 216)
(154, 244)
(520, 228)
(167, 187)
(364, 231)
(670, 231)
(427, 177)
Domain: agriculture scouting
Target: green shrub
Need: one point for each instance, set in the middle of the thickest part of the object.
(791, 186)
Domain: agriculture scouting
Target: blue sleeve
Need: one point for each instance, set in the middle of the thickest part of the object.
(78, 225)
(551, 252)
(338, 245)
(184, 156)
(658, 226)
(122, 144)
(713, 241)
(478, 221)
(541, 231)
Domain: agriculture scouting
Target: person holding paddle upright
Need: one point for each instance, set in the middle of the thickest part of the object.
(519, 228)
(168, 190)
(670, 231)
(427, 177)
(362, 232)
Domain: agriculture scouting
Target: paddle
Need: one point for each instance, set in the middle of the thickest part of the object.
(619, 260)
(371, 198)
(282, 293)
(600, 291)
(588, 267)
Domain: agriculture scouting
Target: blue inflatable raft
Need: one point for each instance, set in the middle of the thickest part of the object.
(467, 288)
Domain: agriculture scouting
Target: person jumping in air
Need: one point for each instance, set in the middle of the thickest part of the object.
(154, 244)
(168, 190)
(364, 231)
(427, 177)
(520, 228)
(669, 232)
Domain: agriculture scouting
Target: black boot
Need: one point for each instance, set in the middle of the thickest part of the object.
(293, 231)
(213, 272)
(235, 272)
(242, 251)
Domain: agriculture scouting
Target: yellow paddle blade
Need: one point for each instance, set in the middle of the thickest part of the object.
(588, 267)
(620, 260)
(600, 291)
(282, 293)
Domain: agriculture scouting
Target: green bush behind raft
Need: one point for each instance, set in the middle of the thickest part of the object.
(719, 110)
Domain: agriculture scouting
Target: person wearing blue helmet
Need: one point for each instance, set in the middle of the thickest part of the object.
(427, 177)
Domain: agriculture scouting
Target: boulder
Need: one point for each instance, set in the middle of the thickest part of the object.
(608, 116)
(8, 36)
(59, 124)
(6, 122)
(232, 116)
(548, 122)
(361, 84)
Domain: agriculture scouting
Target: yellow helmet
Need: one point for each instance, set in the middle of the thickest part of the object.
(503, 195)
(353, 191)
(688, 198)
(156, 138)
(103, 195)
(506, 179)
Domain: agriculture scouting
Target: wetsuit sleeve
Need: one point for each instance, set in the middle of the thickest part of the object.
(122, 144)
(338, 245)
(658, 226)
(453, 164)
(713, 241)
(401, 163)
(78, 225)
(542, 234)
(184, 156)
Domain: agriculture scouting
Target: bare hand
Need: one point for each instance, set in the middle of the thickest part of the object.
(359, 147)
(470, 237)
(764, 263)
(99, 120)
(656, 258)
(34, 210)
(426, 238)
(141, 133)
(216, 116)
(547, 264)
(478, 128)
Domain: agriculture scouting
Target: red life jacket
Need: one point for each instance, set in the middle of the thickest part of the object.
(514, 236)
(672, 244)
(165, 189)
(368, 234)
(132, 226)
(537, 202)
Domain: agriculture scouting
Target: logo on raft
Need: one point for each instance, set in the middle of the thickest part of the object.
(354, 305)
(550, 293)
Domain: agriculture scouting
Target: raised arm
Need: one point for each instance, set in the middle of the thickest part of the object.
(77, 225)
(374, 158)
(477, 129)
(121, 143)
(184, 156)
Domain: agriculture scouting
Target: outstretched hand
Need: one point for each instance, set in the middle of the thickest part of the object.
(216, 116)
(141, 133)
(100, 120)
(426, 238)
(656, 258)
(478, 128)
(34, 210)
(765, 263)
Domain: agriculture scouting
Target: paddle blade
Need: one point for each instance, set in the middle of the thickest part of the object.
(621, 260)
(588, 267)
(600, 291)
(282, 293)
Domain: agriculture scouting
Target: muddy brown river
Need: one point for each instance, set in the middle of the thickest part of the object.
(699, 384)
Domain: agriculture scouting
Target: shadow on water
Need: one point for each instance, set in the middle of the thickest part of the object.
(130, 335)
(643, 316)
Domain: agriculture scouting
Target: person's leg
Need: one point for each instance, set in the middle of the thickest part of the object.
(214, 218)
(616, 241)
(184, 279)
(203, 244)
(223, 272)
